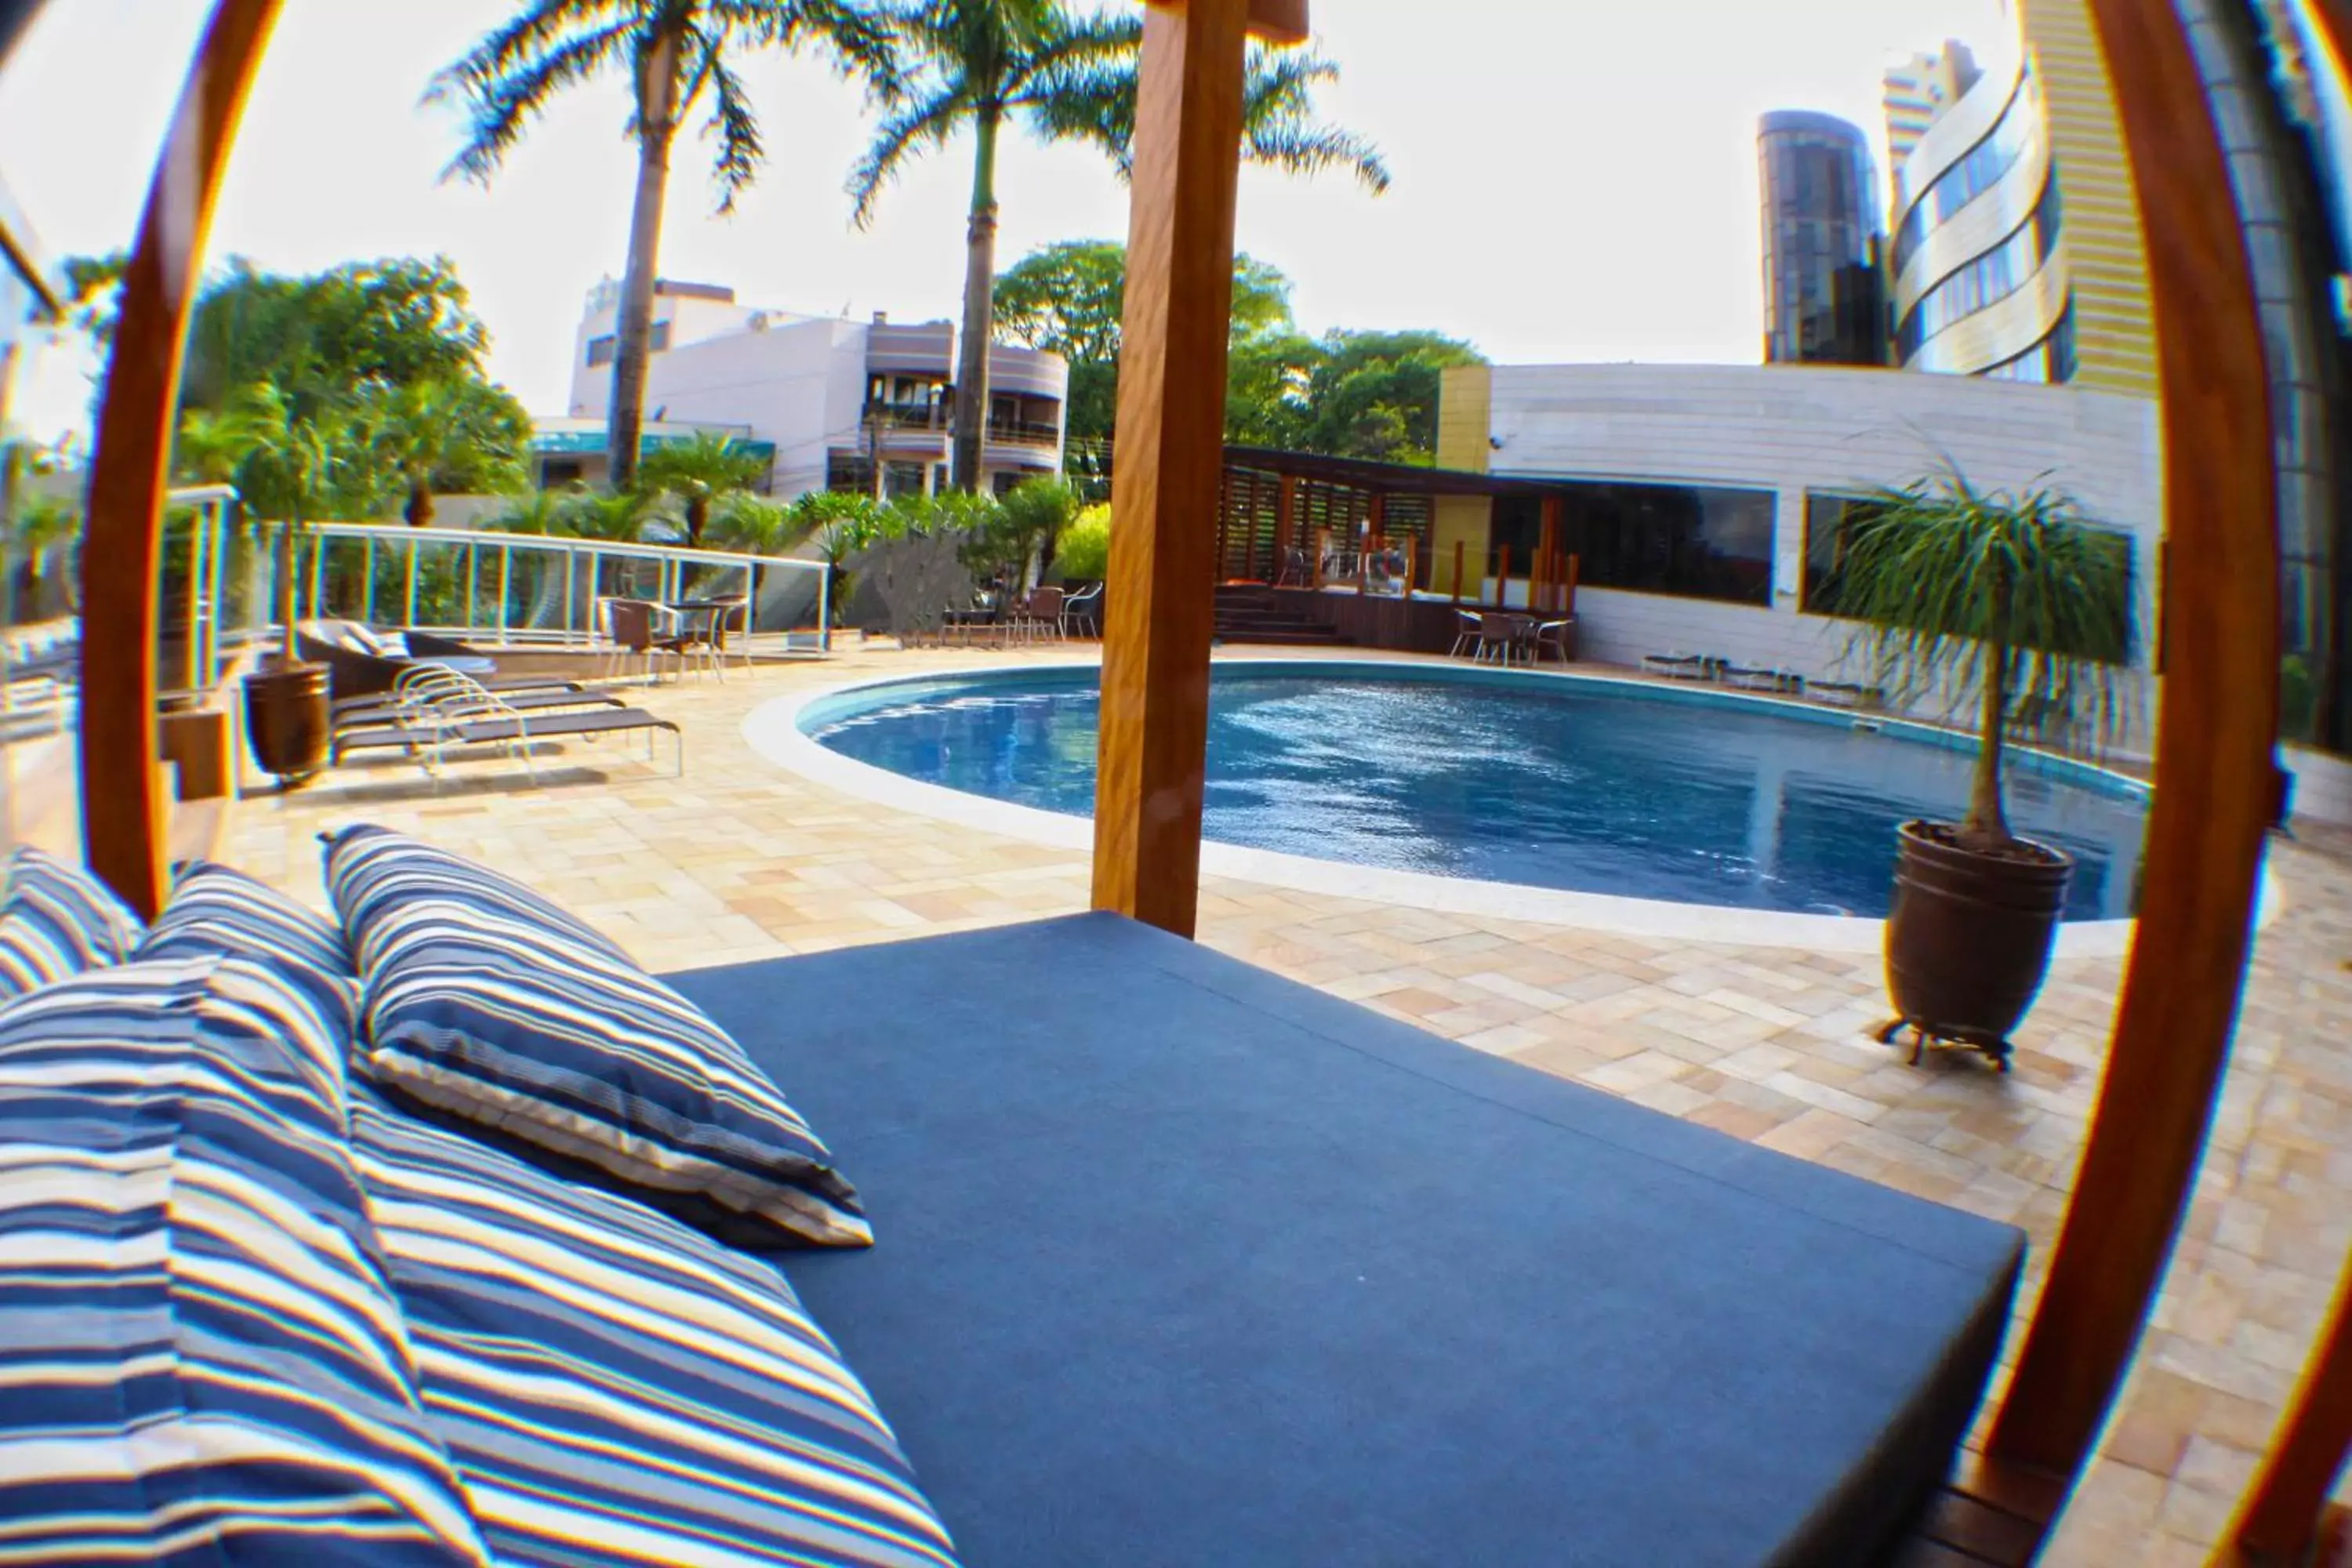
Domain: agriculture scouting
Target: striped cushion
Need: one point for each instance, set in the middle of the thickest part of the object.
(491, 1016)
(617, 1390)
(213, 908)
(201, 1361)
(56, 920)
(370, 869)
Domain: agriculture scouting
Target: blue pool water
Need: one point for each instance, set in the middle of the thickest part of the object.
(1590, 787)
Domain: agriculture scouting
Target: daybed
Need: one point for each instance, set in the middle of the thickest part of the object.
(1185, 1265)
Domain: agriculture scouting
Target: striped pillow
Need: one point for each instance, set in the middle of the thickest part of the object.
(56, 920)
(495, 1018)
(201, 1361)
(214, 908)
(617, 1390)
(369, 870)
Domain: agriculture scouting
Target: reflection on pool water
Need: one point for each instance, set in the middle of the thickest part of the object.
(1593, 787)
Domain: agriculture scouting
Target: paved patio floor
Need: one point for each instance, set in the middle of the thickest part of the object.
(742, 860)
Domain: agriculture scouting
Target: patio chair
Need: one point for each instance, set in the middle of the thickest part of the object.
(1041, 613)
(1501, 634)
(1082, 612)
(447, 710)
(1466, 634)
(1556, 636)
(642, 628)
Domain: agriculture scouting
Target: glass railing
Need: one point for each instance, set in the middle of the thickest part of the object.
(491, 588)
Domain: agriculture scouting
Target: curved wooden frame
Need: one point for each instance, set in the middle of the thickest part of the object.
(2213, 772)
(2218, 725)
(124, 810)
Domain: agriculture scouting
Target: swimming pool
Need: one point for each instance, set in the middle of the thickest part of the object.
(1543, 781)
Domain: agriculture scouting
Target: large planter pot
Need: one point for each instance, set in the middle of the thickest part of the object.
(1968, 939)
(286, 720)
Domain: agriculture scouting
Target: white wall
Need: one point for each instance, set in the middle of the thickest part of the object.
(1791, 428)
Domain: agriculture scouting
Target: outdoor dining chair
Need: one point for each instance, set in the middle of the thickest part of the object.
(1082, 612)
(1466, 634)
(1502, 634)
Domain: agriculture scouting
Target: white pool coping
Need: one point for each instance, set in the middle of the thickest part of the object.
(773, 731)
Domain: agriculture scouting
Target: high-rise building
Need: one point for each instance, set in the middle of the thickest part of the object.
(1823, 301)
(1919, 90)
(1980, 267)
(2106, 256)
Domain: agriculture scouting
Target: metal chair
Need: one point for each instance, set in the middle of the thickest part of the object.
(1083, 610)
(1553, 635)
(1466, 633)
(1042, 613)
(635, 627)
(1499, 632)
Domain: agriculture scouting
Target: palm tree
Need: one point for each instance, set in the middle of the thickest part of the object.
(292, 462)
(675, 52)
(445, 436)
(698, 471)
(1072, 77)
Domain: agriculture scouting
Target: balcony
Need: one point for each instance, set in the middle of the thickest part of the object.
(893, 417)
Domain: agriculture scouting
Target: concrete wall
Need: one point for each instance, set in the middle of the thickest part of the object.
(1791, 428)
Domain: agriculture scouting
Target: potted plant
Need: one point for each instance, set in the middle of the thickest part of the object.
(291, 462)
(2019, 606)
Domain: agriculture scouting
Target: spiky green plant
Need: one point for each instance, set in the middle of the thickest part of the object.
(2014, 598)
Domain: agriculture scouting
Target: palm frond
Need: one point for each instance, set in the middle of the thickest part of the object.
(906, 132)
(734, 126)
(505, 92)
(1278, 124)
(1953, 583)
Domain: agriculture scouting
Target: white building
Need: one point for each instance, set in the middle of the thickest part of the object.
(1919, 90)
(828, 394)
(1703, 503)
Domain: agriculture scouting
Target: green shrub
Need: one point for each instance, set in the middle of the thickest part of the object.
(1082, 554)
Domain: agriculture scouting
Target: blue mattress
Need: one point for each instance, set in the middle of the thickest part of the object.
(1183, 1263)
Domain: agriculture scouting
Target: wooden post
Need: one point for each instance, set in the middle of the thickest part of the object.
(1503, 578)
(1412, 562)
(1568, 595)
(1285, 520)
(124, 812)
(1457, 569)
(2214, 785)
(1547, 547)
(2279, 1520)
(1172, 406)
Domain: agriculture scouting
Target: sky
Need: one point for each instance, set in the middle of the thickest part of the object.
(1573, 182)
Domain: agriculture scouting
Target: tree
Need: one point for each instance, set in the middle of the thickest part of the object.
(698, 471)
(390, 322)
(1067, 299)
(1375, 394)
(292, 461)
(675, 52)
(447, 434)
(978, 63)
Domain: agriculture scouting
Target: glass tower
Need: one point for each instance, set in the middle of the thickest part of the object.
(1823, 297)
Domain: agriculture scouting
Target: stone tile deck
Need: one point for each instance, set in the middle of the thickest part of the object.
(740, 861)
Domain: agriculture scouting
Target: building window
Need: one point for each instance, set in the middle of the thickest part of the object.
(901, 479)
(1698, 542)
(601, 350)
(1989, 280)
(848, 471)
(1829, 520)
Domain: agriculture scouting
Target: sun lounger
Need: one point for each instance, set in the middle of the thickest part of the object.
(352, 673)
(373, 712)
(518, 730)
(1683, 666)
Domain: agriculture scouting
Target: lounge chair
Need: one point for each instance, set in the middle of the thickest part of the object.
(358, 672)
(1750, 678)
(447, 710)
(1683, 666)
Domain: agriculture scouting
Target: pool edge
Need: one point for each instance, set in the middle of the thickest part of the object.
(773, 731)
